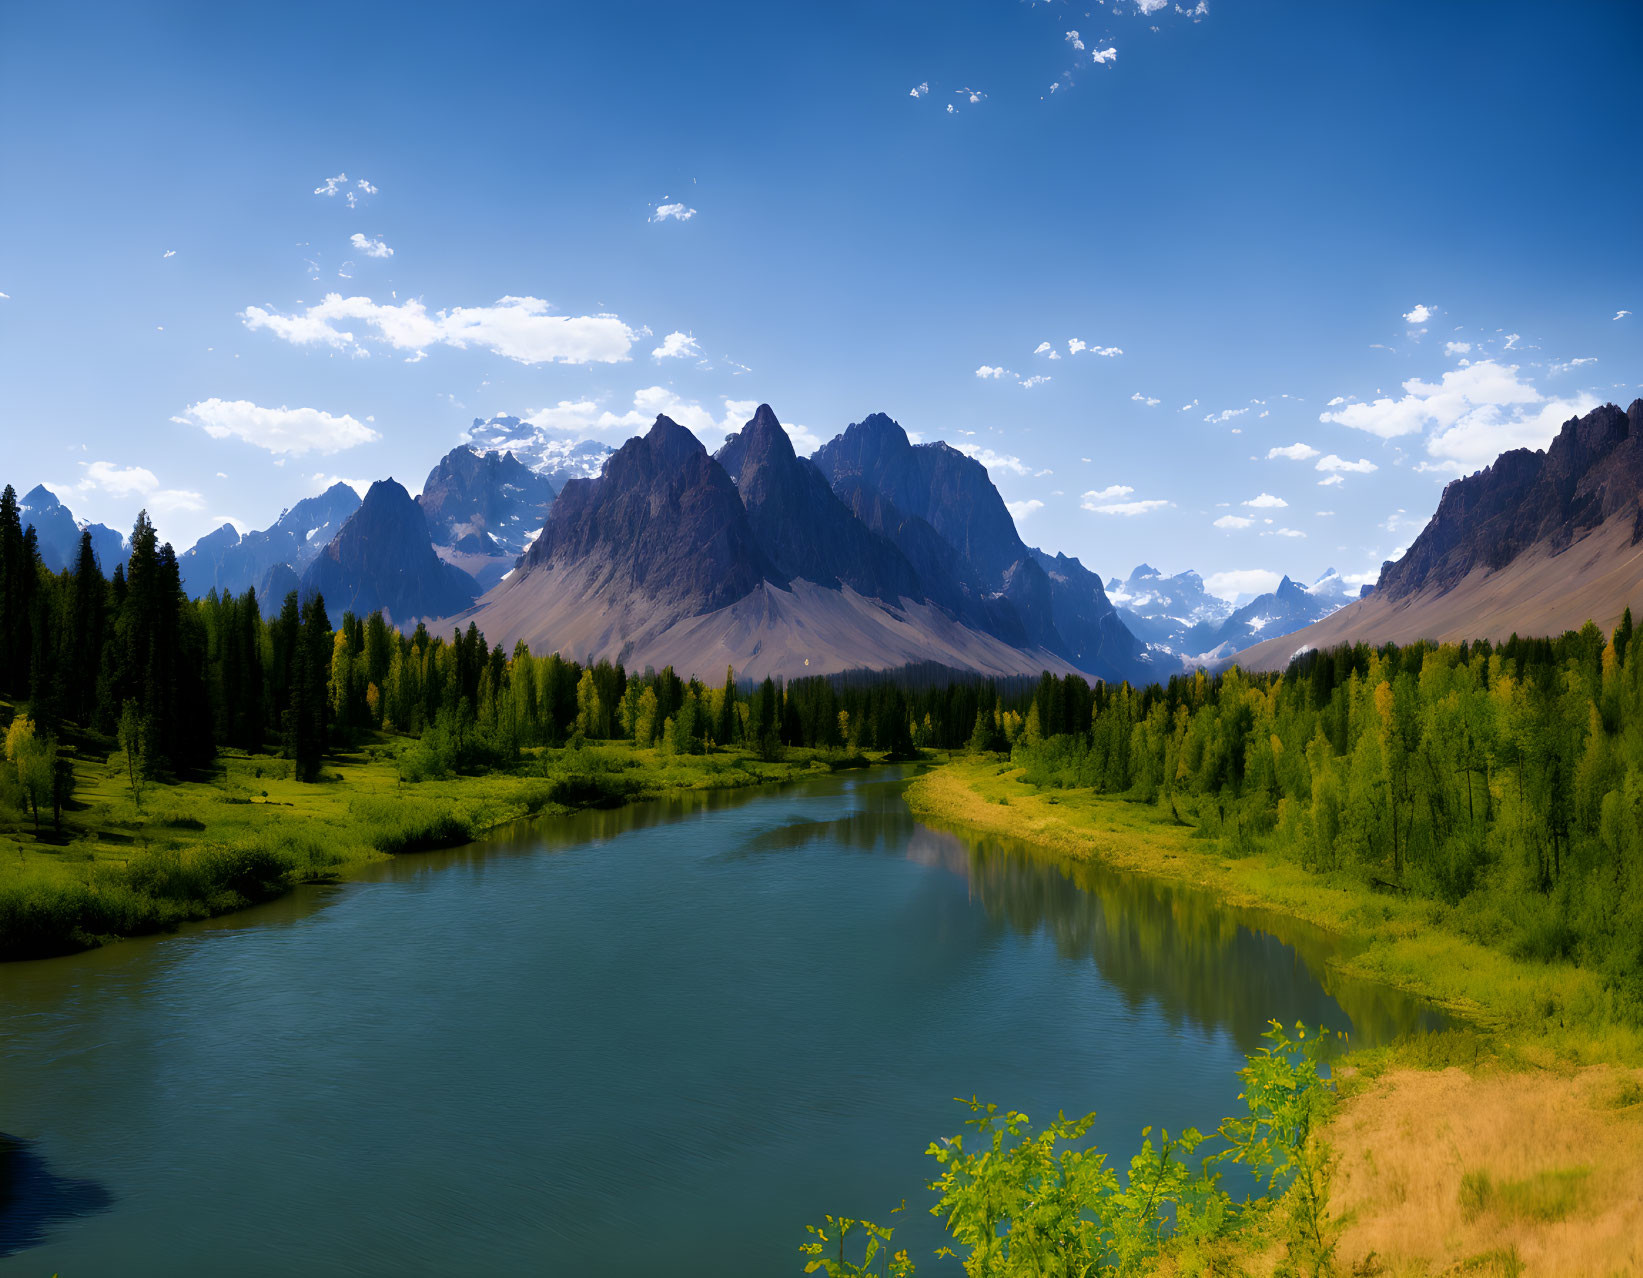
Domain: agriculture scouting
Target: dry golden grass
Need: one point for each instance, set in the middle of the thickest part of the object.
(1563, 1156)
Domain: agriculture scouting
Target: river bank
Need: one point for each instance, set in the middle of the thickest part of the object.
(248, 832)
(1511, 1144)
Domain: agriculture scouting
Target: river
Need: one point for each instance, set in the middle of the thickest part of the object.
(658, 1039)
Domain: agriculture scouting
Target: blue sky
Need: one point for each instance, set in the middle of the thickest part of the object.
(1426, 212)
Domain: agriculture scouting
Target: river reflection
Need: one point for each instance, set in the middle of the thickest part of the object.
(1153, 940)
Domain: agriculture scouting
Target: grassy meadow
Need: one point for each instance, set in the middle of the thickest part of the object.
(247, 830)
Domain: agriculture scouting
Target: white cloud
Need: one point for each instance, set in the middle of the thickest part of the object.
(1072, 39)
(1621, 314)
(1077, 344)
(974, 95)
(1148, 400)
(1457, 348)
(279, 430)
(988, 371)
(994, 461)
(1294, 452)
(1477, 439)
(1458, 394)
(1233, 521)
(1225, 415)
(168, 253)
(1124, 507)
(1020, 510)
(1109, 54)
(1554, 370)
(1472, 414)
(1333, 481)
(1036, 380)
(1512, 339)
(331, 186)
(677, 346)
(1362, 466)
(951, 109)
(369, 247)
(1266, 501)
(1150, 6)
(919, 90)
(135, 481)
(1420, 315)
(1109, 493)
(1282, 532)
(520, 328)
(1044, 348)
(676, 212)
(1241, 581)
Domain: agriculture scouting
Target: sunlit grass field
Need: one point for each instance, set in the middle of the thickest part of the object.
(129, 864)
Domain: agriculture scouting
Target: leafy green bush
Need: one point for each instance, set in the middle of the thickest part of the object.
(1019, 1202)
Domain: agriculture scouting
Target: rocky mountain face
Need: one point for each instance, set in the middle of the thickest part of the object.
(59, 532)
(953, 495)
(1592, 472)
(230, 563)
(483, 510)
(800, 522)
(554, 458)
(383, 557)
(1178, 616)
(670, 558)
(663, 520)
(1535, 544)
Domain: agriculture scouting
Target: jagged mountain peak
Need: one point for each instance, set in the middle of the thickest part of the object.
(384, 558)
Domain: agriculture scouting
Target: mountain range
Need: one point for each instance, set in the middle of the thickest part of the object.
(58, 532)
(878, 552)
(1538, 543)
(1178, 616)
(762, 560)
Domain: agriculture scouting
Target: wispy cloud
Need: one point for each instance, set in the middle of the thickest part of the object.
(520, 328)
(1362, 466)
(1148, 400)
(1470, 415)
(293, 431)
(675, 212)
(371, 248)
(677, 346)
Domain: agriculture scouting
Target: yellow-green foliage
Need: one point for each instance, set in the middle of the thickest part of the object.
(248, 833)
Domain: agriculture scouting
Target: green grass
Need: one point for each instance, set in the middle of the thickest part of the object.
(1545, 1197)
(248, 831)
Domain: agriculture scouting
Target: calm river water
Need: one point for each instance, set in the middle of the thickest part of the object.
(657, 1040)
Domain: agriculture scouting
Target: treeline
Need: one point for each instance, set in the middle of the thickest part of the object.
(170, 681)
(1504, 781)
